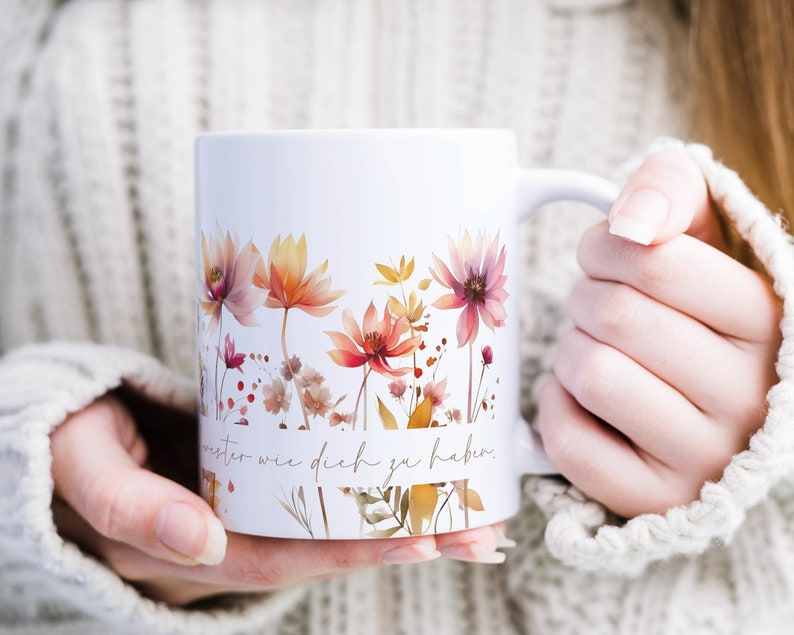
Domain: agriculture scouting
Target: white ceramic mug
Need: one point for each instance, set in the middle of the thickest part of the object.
(358, 328)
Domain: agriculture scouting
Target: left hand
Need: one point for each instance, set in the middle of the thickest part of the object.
(664, 376)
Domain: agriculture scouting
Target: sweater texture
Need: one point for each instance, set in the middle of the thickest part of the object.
(101, 101)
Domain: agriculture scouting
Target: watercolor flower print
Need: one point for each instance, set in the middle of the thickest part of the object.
(476, 280)
(388, 361)
(226, 283)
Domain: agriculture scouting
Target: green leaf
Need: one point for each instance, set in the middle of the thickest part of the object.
(384, 533)
(367, 499)
(406, 499)
(375, 517)
(289, 509)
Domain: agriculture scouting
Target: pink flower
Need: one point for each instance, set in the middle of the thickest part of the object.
(487, 355)
(231, 358)
(476, 279)
(397, 388)
(374, 343)
(317, 400)
(291, 367)
(308, 376)
(276, 397)
(436, 392)
(337, 417)
(227, 280)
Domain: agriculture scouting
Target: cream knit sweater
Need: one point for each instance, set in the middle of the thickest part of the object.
(99, 103)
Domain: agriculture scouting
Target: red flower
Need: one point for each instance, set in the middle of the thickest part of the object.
(373, 344)
(231, 358)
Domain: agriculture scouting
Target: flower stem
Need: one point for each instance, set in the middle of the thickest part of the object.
(289, 368)
(477, 397)
(217, 356)
(440, 509)
(220, 394)
(394, 508)
(325, 515)
(466, 502)
(413, 355)
(358, 400)
(471, 380)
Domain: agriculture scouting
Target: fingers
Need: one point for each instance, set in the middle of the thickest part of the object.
(665, 197)
(476, 545)
(96, 456)
(156, 533)
(255, 564)
(660, 342)
(600, 461)
(690, 276)
(617, 390)
(665, 375)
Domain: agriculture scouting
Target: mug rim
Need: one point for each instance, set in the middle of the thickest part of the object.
(357, 132)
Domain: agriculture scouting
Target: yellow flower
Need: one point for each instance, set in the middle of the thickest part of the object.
(288, 284)
(393, 275)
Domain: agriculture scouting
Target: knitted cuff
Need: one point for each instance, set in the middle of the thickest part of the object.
(40, 386)
(578, 533)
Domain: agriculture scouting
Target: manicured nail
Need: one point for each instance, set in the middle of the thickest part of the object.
(502, 541)
(410, 554)
(641, 216)
(192, 533)
(473, 553)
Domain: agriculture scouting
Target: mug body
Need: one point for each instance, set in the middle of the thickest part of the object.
(357, 331)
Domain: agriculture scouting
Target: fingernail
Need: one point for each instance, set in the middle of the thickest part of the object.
(410, 554)
(192, 533)
(502, 541)
(473, 553)
(641, 216)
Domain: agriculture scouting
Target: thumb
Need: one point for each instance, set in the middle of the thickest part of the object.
(665, 197)
(96, 456)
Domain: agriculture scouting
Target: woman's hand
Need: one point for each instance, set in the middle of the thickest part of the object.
(156, 533)
(663, 377)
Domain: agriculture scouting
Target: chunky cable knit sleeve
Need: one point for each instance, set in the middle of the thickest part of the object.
(44, 580)
(579, 532)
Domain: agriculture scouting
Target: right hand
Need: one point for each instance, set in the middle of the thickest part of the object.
(164, 538)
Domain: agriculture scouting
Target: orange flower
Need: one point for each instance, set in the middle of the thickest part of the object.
(377, 341)
(288, 285)
(227, 280)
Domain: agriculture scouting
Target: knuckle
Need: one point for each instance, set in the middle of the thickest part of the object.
(654, 270)
(555, 431)
(104, 503)
(266, 574)
(593, 380)
(615, 309)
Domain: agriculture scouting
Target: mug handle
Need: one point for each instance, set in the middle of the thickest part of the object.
(535, 188)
